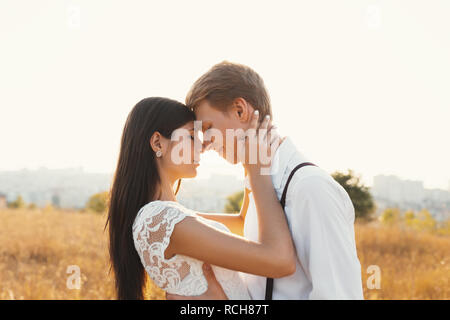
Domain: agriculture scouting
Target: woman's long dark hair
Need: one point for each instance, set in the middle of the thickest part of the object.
(136, 182)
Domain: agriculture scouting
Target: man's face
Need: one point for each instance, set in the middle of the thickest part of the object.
(214, 126)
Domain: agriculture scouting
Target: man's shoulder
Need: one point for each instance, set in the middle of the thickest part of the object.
(322, 189)
(312, 179)
(309, 175)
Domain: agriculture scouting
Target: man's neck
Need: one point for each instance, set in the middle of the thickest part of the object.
(281, 141)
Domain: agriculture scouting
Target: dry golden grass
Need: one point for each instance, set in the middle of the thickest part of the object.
(413, 264)
(37, 246)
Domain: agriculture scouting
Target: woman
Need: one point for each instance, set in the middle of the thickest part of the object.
(150, 232)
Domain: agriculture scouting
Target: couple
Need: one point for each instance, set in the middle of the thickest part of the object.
(306, 241)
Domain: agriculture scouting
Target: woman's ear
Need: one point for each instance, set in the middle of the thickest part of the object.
(242, 109)
(156, 142)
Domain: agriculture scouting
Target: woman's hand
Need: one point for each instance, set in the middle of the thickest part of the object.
(257, 146)
(273, 255)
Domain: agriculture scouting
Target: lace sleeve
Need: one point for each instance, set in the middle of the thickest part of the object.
(151, 233)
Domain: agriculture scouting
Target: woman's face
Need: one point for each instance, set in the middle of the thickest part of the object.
(183, 153)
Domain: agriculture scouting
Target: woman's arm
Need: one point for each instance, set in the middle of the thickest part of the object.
(273, 256)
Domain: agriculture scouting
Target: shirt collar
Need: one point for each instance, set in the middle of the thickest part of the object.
(286, 150)
(281, 162)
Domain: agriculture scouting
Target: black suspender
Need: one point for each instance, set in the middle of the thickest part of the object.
(269, 282)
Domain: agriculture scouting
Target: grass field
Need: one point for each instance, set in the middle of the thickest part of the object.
(37, 247)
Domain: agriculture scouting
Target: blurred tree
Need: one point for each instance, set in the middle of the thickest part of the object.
(56, 200)
(32, 206)
(98, 202)
(443, 228)
(48, 207)
(18, 203)
(234, 202)
(409, 218)
(425, 221)
(359, 194)
(390, 216)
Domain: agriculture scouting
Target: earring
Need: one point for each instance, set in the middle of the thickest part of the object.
(158, 153)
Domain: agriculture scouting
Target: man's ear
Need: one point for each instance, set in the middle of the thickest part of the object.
(242, 110)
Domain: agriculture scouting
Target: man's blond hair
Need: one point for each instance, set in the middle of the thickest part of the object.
(227, 81)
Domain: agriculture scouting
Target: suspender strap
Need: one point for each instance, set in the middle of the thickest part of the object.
(269, 282)
(283, 197)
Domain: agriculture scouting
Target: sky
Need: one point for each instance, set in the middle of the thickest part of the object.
(361, 85)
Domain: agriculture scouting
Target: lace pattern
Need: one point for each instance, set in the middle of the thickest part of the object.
(179, 274)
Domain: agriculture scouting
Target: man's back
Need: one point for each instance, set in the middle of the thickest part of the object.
(320, 216)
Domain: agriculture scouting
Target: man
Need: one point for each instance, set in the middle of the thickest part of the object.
(319, 212)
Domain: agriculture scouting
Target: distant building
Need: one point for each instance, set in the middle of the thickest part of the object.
(398, 190)
(65, 188)
(391, 191)
(3, 202)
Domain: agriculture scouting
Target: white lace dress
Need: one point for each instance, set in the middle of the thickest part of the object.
(180, 274)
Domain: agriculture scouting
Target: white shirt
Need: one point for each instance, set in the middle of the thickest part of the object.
(320, 216)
